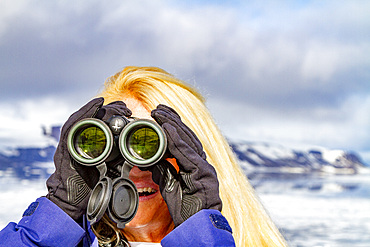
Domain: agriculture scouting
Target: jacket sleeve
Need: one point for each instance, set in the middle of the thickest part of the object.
(206, 228)
(43, 224)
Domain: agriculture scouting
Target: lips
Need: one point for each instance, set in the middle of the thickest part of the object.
(144, 183)
(146, 193)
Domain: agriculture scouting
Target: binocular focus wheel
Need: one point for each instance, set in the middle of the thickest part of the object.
(76, 132)
(99, 200)
(124, 202)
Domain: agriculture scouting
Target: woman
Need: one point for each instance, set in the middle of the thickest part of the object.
(143, 89)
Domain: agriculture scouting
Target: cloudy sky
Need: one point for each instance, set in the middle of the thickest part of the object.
(289, 72)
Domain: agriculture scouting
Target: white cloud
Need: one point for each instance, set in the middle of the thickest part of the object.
(21, 122)
(322, 60)
(345, 127)
(290, 71)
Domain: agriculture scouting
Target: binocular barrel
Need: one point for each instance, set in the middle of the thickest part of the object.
(91, 142)
(141, 142)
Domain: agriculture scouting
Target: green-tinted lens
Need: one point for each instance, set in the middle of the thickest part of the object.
(143, 143)
(90, 142)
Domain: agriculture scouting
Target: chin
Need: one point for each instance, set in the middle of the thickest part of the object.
(151, 208)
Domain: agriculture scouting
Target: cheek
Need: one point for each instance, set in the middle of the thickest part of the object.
(151, 211)
(150, 206)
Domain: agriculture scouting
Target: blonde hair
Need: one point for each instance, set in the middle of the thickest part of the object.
(152, 86)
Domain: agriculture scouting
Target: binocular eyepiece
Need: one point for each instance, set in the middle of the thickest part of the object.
(92, 142)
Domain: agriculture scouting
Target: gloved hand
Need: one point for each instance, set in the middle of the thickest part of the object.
(70, 185)
(195, 186)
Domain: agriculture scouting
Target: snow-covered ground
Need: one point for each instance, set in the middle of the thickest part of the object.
(16, 195)
(334, 213)
(311, 211)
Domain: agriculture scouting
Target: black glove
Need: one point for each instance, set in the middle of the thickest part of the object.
(70, 185)
(195, 186)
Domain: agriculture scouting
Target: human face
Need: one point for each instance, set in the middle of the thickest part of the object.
(152, 221)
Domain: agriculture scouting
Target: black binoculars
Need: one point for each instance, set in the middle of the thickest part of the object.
(92, 142)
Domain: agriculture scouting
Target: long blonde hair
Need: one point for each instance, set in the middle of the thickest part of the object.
(152, 86)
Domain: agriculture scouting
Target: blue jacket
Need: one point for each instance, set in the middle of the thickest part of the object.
(45, 224)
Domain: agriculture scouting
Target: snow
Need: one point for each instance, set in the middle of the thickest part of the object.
(332, 155)
(332, 215)
(273, 151)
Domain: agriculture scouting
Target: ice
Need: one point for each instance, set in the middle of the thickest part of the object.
(308, 221)
(320, 211)
(310, 210)
(15, 197)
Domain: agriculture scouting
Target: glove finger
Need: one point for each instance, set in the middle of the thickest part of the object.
(168, 110)
(164, 114)
(184, 131)
(114, 108)
(86, 111)
(165, 175)
(198, 177)
(188, 159)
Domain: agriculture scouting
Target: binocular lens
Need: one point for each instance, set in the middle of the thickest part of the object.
(90, 142)
(143, 143)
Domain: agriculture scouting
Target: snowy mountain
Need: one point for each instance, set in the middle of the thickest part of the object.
(37, 162)
(273, 158)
